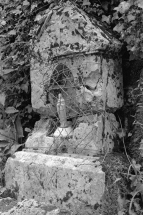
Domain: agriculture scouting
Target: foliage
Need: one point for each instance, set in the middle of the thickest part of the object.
(16, 22)
(17, 19)
(124, 17)
(129, 18)
(16, 115)
(135, 174)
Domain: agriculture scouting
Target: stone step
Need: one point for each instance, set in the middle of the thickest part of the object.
(70, 182)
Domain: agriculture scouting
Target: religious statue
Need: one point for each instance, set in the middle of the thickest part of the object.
(65, 130)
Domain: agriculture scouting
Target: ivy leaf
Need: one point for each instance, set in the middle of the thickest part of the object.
(106, 19)
(139, 187)
(137, 205)
(119, 27)
(25, 86)
(33, 6)
(130, 17)
(105, 5)
(115, 16)
(3, 22)
(131, 212)
(128, 39)
(12, 32)
(139, 3)
(86, 3)
(123, 7)
(38, 18)
(137, 166)
(134, 180)
(26, 3)
(29, 108)
(10, 110)
(133, 49)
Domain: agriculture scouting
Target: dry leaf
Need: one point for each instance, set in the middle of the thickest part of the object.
(18, 127)
(2, 98)
(28, 130)
(10, 110)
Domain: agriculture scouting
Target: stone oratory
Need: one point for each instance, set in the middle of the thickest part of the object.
(76, 87)
(78, 59)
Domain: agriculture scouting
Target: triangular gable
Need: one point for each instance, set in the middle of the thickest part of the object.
(69, 30)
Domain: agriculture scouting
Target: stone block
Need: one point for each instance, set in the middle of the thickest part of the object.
(75, 183)
(40, 141)
(32, 207)
(93, 134)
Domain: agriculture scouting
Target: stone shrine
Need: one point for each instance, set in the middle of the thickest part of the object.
(76, 84)
(75, 57)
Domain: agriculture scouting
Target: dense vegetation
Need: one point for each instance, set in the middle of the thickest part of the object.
(17, 19)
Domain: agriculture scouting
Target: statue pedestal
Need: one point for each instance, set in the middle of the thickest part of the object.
(63, 132)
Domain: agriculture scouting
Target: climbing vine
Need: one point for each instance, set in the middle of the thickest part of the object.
(17, 19)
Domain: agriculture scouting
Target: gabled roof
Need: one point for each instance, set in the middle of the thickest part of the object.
(70, 30)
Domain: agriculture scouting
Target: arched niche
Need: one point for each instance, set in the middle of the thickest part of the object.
(62, 81)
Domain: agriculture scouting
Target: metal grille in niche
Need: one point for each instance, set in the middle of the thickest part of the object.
(71, 110)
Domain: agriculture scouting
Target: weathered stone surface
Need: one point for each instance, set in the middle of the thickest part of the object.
(72, 183)
(6, 204)
(91, 81)
(40, 141)
(93, 134)
(69, 30)
(32, 207)
(113, 84)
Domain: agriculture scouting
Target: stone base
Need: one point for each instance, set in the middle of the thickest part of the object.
(32, 207)
(93, 134)
(75, 183)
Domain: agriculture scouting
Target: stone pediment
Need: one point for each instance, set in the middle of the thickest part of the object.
(68, 30)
